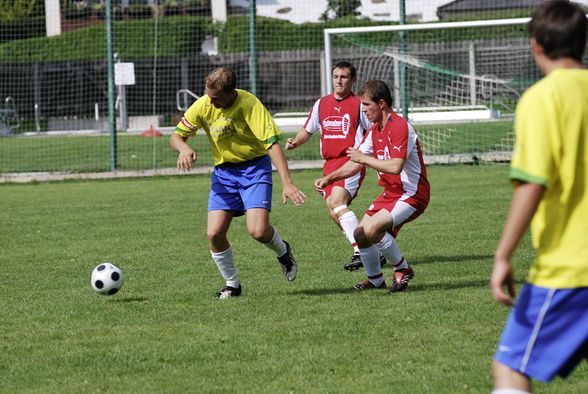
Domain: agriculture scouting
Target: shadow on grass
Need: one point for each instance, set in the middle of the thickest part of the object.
(142, 300)
(451, 259)
(414, 287)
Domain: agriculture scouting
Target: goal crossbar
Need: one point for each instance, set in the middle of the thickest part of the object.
(328, 33)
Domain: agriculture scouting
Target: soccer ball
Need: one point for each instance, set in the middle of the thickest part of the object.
(107, 278)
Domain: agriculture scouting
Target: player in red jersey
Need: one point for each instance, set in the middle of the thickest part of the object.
(342, 124)
(391, 147)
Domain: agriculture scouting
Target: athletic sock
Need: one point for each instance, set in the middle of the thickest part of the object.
(370, 258)
(510, 391)
(390, 250)
(277, 244)
(377, 280)
(226, 266)
(349, 223)
(402, 265)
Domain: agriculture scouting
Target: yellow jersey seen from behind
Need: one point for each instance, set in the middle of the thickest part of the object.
(551, 149)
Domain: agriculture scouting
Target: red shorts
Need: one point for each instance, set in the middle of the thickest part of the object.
(351, 184)
(402, 208)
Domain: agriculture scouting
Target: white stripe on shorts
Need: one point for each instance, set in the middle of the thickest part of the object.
(536, 329)
(401, 212)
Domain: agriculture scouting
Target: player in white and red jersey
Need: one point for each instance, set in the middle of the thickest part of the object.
(392, 148)
(342, 125)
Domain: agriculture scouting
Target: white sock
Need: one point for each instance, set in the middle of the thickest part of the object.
(277, 244)
(349, 223)
(377, 280)
(390, 250)
(226, 266)
(509, 391)
(370, 258)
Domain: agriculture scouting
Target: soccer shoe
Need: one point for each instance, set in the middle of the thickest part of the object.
(288, 264)
(356, 263)
(401, 279)
(228, 291)
(367, 285)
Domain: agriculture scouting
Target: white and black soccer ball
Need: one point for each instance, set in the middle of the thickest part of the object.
(107, 278)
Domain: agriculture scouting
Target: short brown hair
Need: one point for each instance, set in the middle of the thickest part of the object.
(222, 79)
(560, 28)
(377, 90)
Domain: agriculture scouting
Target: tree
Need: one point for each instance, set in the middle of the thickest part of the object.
(341, 8)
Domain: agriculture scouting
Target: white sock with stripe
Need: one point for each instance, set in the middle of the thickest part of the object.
(371, 263)
(389, 248)
(349, 223)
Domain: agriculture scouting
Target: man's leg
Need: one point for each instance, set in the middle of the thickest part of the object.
(507, 380)
(260, 229)
(221, 252)
(370, 257)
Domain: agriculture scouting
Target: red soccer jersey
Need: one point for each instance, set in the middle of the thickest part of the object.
(399, 140)
(341, 122)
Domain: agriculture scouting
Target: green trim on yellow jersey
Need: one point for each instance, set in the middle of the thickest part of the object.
(518, 175)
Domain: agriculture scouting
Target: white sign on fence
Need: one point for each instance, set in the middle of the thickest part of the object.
(124, 73)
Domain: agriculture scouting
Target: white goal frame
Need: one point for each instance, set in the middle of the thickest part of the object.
(329, 33)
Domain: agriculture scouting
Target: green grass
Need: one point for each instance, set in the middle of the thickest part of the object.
(92, 153)
(166, 333)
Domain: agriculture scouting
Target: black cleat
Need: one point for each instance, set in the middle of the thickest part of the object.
(288, 264)
(228, 291)
(356, 263)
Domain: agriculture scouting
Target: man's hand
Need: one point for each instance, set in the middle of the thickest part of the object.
(291, 192)
(186, 158)
(320, 184)
(503, 277)
(355, 155)
(291, 144)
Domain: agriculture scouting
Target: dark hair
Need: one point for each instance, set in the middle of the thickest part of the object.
(222, 78)
(377, 90)
(351, 67)
(560, 28)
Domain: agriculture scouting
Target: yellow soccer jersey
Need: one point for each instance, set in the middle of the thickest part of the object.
(242, 132)
(551, 149)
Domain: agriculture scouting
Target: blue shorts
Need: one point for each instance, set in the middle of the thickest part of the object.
(241, 186)
(546, 333)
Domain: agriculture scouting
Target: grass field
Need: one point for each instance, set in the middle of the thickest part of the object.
(166, 333)
(92, 153)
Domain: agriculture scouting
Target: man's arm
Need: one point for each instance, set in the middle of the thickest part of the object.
(525, 199)
(392, 166)
(345, 171)
(301, 137)
(289, 190)
(186, 155)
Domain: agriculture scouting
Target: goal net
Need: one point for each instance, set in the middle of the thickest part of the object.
(458, 82)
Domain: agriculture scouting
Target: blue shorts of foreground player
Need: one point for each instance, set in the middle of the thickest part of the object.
(241, 186)
(546, 333)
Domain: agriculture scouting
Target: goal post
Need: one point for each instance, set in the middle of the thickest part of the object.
(462, 79)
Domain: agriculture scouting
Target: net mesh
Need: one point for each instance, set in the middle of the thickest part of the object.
(54, 78)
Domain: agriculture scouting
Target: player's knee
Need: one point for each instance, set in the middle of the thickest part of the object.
(259, 233)
(215, 238)
(360, 238)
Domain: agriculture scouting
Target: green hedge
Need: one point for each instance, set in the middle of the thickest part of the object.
(133, 38)
(184, 35)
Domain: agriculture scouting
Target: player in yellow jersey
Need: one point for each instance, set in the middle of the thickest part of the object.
(244, 142)
(546, 333)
